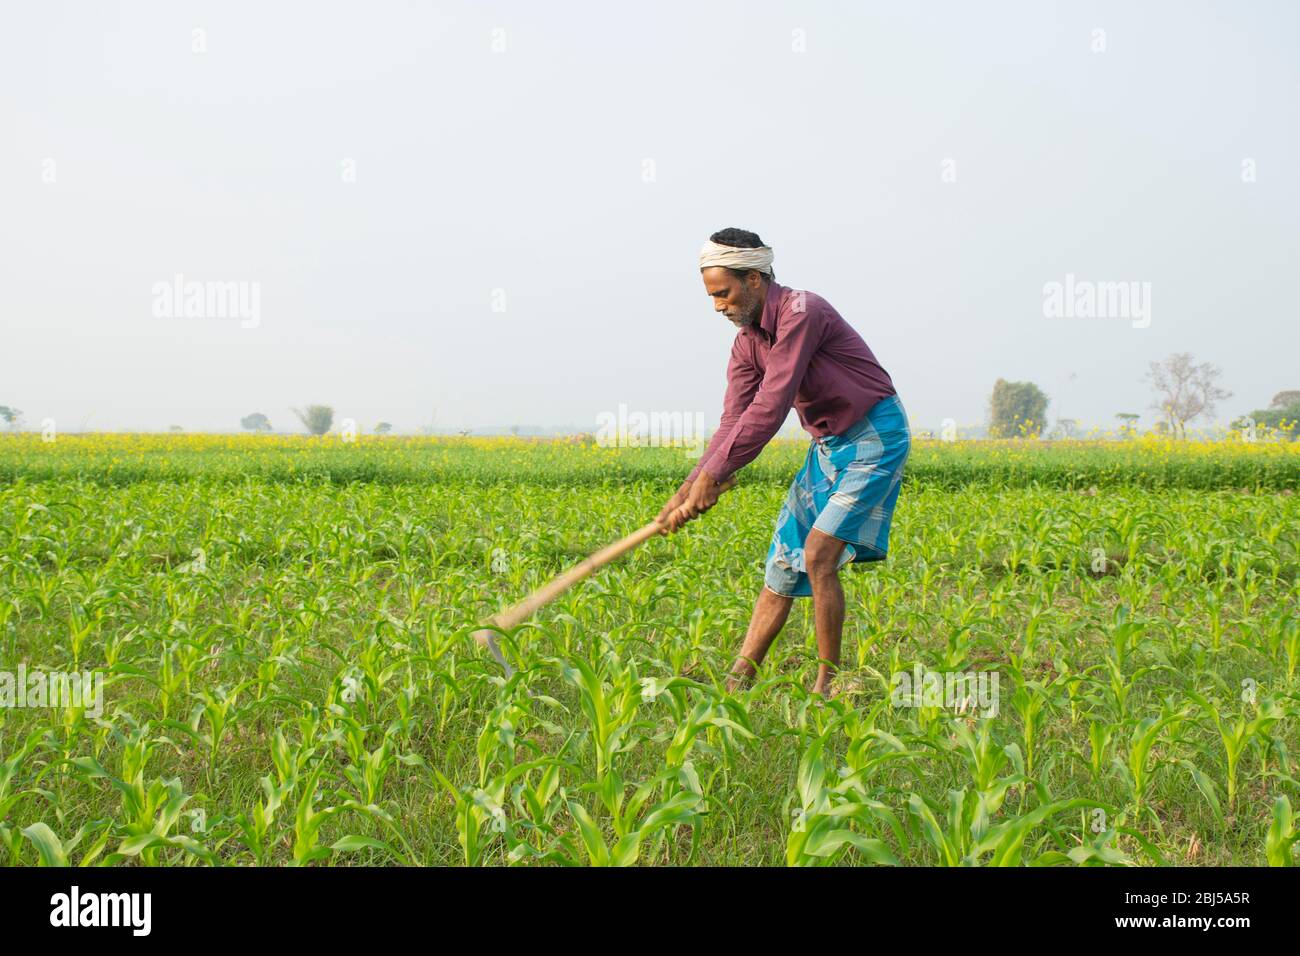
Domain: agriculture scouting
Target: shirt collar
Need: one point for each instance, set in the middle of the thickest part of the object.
(771, 306)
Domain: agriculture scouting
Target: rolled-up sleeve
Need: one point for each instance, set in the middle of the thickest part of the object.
(743, 379)
(798, 333)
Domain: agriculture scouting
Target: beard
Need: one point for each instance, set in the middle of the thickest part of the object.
(751, 313)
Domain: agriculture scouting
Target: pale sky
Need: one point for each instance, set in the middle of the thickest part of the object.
(380, 170)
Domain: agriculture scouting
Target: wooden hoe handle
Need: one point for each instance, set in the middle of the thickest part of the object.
(516, 614)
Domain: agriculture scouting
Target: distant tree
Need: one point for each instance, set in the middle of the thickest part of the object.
(256, 422)
(175, 428)
(1067, 427)
(317, 419)
(1016, 408)
(383, 428)
(1127, 422)
(13, 417)
(1285, 418)
(1184, 390)
(1285, 399)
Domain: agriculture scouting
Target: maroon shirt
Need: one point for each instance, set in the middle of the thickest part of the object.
(802, 353)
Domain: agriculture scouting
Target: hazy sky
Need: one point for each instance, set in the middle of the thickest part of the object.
(481, 214)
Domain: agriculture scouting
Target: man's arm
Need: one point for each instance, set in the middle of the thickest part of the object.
(797, 336)
(743, 379)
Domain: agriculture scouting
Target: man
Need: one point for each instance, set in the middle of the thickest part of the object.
(792, 348)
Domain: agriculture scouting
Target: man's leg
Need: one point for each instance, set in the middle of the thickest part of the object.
(821, 556)
(770, 611)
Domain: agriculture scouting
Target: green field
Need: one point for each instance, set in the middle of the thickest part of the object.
(283, 628)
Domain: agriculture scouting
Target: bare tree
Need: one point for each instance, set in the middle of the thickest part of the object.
(1067, 427)
(1184, 390)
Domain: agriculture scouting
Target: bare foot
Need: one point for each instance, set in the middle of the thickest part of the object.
(742, 675)
(736, 681)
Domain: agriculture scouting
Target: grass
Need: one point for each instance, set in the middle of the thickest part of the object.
(1148, 461)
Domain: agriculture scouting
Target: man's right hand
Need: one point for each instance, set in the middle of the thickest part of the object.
(669, 516)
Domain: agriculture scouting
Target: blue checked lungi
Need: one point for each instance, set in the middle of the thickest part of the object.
(847, 488)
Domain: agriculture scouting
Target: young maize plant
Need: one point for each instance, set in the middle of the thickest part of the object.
(1282, 834)
(820, 825)
(1237, 735)
(1139, 765)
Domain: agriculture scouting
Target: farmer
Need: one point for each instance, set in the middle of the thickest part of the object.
(794, 349)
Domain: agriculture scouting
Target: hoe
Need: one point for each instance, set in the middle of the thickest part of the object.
(516, 614)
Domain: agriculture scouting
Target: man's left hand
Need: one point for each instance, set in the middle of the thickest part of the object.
(704, 495)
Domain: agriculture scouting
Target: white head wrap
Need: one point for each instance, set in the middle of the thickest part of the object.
(734, 257)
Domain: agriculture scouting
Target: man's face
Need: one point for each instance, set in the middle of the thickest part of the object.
(739, 299)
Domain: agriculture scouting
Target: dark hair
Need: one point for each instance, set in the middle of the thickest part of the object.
(741, 239)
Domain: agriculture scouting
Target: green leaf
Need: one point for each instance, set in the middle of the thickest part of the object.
(47, 845)
(1207, 788)
(591, 838)
(353, 842)
(811, 773)
(824, 844)
(1281, 834)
